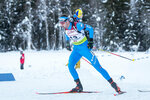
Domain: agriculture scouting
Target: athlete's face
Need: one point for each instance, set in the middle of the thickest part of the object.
(65, 24)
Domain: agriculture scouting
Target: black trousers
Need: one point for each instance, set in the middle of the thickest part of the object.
(22, 66)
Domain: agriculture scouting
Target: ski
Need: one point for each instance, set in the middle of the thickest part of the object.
(117, 94)
(67, 92)
(144, 90)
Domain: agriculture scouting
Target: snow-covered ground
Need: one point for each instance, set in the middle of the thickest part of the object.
(45, 71)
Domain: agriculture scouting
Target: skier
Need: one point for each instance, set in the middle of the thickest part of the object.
(22, 58)
(78, 15)
(75, 18)
(82, 47)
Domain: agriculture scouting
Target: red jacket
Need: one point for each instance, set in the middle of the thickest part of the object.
(22, 59)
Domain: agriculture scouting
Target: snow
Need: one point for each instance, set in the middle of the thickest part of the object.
(98, 19)
(104, 1)
(45, 71)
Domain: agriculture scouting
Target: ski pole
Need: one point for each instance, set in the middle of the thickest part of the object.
(118, 55)
(86, 61)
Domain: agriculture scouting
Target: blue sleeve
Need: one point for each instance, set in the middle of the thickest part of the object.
(81, 26)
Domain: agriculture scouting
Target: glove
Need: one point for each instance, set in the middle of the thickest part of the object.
(90, 43)
(68, 46)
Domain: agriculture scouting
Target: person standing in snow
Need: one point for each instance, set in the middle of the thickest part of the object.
(22, 58)
(82, 47)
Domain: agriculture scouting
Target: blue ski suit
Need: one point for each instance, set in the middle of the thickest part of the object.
(80, 49)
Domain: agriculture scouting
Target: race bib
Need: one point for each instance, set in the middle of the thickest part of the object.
(75, 36)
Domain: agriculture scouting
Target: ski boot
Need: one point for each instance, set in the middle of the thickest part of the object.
(78, 88)
(114, 85)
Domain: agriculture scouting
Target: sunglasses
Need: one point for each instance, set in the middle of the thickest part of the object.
(62, 20)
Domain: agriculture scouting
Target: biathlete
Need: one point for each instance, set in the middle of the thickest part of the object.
(82, 47)
(76, 18)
